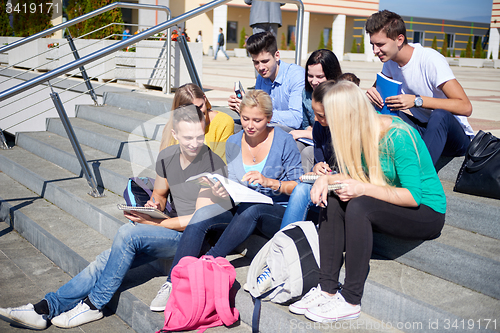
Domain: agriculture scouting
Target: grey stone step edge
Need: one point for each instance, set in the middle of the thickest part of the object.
(153, 104)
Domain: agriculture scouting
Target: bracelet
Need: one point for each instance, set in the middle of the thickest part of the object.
(279, 187)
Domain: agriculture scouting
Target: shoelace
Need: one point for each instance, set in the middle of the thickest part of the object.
(164, 287)
(264, 276)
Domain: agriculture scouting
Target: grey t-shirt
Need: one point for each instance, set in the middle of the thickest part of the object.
(184, 195)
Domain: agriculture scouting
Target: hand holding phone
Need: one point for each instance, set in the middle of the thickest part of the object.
(238, 90)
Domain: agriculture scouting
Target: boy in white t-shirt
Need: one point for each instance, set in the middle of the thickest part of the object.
(432, 100)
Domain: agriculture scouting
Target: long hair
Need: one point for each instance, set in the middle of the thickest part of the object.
(356, 131)
(329, 63)
(258, 98)
(184, 95)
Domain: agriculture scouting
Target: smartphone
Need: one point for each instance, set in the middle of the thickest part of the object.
(238, 90)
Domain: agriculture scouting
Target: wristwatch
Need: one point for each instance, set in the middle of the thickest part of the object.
(418, 101)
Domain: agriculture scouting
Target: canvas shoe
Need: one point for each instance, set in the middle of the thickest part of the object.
(264, 280)
(24, 316)
(335, 309)
(160, 301)
(314, 297)
(79, 315)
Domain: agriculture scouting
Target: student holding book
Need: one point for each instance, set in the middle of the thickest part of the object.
(392, 187)
(81, 299)
(432, 100)
(263, 158)
(218, 125)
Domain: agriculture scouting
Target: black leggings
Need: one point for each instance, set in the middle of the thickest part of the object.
(350, 225)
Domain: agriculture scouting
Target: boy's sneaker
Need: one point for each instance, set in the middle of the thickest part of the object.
(160, 301)
(264, 280)
(313, 298)
(24, 316)
(335, 309)
(79, 315)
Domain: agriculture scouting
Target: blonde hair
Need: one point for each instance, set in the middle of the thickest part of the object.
(184, 95)
(356, 131)
(260, 99)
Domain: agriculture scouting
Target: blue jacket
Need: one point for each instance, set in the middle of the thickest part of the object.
(283, 162)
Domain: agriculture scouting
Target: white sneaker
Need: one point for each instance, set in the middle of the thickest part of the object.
(24, 316)
(335, 309)
(79, 315)
(314, 297)
(264, 280)
(160, 301)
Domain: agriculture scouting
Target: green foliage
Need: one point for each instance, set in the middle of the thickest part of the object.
(321, 41)
(485, 54)
(434, 43)
(454, 53)
(292, 42)
(468, 48)
(75, 9)
(462, 54)
(27, 23)
(362, 46)
(283, 42)
(448, 54)
(354, 47)
(478, 53)
(5, 28)
(242, 38)
(329, 45)
(491, 55)
(444, 49)
(102, 20)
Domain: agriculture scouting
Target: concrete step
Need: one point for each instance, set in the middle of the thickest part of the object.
(129, 147)
(155, 104)
(110, 172)
(138, 123)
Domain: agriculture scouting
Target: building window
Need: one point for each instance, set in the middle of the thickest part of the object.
(451, 41)
(418, 37)
(291, 34)
(232, 32)
(326, 34)
(476, 38)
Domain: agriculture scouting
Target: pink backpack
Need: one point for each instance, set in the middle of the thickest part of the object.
(200, 295)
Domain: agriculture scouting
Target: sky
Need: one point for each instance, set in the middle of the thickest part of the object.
(461, 10)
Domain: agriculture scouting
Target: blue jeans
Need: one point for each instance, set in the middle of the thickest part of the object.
(298, 204)
(238, 224)
(442, 134)
(133, 245)
(223, 51)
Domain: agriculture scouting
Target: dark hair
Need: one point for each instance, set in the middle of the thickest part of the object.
(391, 23)
(321, 90)
(329, 63)
(349, 77)
(263, 41)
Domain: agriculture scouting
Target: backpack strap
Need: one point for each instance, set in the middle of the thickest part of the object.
(221, 287)
(197, 283)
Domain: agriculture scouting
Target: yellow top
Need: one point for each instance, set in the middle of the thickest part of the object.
(217, 132)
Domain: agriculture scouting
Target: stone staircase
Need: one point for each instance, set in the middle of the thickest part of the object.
(450, 283)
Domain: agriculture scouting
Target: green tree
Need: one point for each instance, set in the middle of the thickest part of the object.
(283, 42)
(321, 41)
(454, 54)
(444, 49)
(462, 54)
(102, 20)
(434, 43)
(5, 28)
(27, 23)
(478, 53)
(242, 38)
(329, 45)
(468, 48)
(354, 47)
(292, 41)
(362, 45)
(75, 9)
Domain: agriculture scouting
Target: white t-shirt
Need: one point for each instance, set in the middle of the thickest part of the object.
(422, 75)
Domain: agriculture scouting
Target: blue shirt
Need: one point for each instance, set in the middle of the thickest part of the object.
(283, 162)
(286, 94)
(307, 110)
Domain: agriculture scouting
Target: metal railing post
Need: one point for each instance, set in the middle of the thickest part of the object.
(188, 59)
(3, 141)
(94, 192)
(82, 70)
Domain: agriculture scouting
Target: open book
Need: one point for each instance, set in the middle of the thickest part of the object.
(387, 87)
(237, 192)
(153, 212)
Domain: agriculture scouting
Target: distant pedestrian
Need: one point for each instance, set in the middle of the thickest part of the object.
(126, 33)
(220, 45)
(199, 38)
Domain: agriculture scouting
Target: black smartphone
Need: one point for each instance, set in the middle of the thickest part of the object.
(238, 90)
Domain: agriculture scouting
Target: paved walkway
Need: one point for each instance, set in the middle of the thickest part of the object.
(482, 85)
